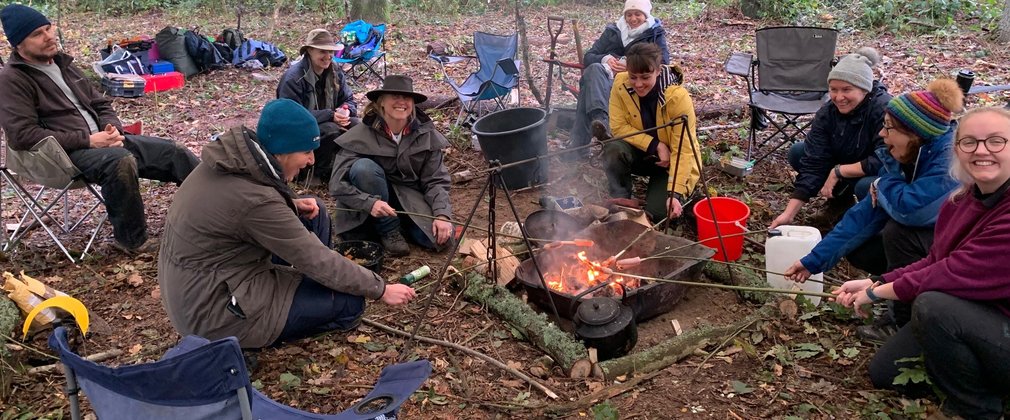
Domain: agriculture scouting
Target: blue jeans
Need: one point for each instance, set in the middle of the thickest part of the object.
(594, 100)
(368, 176)
(316, 308)
(860, 187)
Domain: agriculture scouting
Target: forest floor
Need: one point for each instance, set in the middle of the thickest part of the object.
(792, 365)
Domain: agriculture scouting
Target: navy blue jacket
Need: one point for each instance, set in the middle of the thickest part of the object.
(842, 139)
(910, 203)
(298, 85)
(610, 43)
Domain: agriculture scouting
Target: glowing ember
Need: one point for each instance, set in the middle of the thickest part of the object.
(581, 273)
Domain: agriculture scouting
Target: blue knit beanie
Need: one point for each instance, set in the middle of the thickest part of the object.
(19, 21)
(286, 127)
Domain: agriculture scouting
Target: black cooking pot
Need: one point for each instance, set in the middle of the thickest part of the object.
(607, 325)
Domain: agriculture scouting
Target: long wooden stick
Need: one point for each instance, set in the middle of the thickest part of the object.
(726, 286)
(97, 357)
(547, 391)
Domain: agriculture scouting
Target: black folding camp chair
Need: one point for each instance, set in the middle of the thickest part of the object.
(788, 80)
(488, 88)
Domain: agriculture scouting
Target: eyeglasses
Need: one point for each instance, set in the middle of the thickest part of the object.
(994, 144)
(888, 128)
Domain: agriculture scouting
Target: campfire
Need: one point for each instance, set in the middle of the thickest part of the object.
(581, 274)
(573, 267)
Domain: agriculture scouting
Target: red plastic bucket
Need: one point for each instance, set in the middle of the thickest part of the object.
(731, 215)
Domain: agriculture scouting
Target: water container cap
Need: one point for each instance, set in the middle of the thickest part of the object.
(774, 232)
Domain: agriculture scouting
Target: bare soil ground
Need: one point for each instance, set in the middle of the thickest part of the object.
(804, 365)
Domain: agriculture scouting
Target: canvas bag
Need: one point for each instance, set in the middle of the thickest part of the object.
(46, 163)
(172, 47)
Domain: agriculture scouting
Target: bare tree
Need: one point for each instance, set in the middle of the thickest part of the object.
(374, 11)
(1004, 24)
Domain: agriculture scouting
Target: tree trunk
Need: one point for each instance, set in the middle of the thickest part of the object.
(1004, 24)
(10, 320)
(720, 273)
(540, 331)
(373, 11)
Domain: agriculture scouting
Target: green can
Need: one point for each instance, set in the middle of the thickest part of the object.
(415, 275)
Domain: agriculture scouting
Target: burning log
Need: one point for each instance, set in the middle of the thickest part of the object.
(542, 333)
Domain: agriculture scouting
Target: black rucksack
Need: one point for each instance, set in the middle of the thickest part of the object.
(231, 37)
(204, 54)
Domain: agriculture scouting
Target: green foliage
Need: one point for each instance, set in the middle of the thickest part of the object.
(785, 11)
(605, 411)
(925, 15)
(915, 374)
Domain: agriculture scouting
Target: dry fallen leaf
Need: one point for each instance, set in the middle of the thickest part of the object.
(136, 349)
(135, 280)
(156, 293)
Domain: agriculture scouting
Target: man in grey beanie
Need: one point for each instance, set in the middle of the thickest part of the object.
(46, 96)
(837, 159)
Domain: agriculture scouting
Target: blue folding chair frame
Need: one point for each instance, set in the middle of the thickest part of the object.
(371, 61)
(487, 88)
(202, 379)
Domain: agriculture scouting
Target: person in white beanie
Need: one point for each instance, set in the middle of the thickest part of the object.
(605, 59)
(837, 159)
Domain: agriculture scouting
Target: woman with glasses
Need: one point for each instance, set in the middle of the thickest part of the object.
(960, 292)
(895, 223)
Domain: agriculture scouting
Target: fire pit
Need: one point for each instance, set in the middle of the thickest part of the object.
(570, 270)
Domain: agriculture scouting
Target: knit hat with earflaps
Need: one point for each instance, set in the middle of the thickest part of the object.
(286, 127)
(856, 68)
(927, 113)
(19, 21)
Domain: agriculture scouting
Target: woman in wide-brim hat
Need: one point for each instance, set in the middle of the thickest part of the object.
(392, 162)
(320, 86)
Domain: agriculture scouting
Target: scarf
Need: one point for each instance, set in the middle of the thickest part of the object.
(628, 34)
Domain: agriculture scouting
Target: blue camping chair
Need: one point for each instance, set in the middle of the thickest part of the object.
(201, 379)
(486, 89)
(363, 49)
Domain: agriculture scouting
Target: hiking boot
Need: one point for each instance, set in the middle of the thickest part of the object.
(877, 333)
(833, 211)
(600, 130)
(394, 244)
(149, 247)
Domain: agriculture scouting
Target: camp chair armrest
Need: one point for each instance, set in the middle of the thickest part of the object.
(451, 59)
(739, 64)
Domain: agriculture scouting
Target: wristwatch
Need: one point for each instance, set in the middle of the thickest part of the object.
(873, 296)
(838, 172)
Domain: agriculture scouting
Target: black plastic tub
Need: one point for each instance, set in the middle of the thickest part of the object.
(367, 254)
(512, 135)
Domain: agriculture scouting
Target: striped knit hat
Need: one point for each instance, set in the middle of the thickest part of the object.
(927, 113)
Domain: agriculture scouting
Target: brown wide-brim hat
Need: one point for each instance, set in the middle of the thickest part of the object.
(398, 85)
(319, 39)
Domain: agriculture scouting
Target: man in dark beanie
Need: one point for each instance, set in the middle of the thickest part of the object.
(233, 226)
(46, 96)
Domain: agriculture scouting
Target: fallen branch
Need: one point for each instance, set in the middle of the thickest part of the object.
(97, 357)
(675, 349)
(600, 395)
(467, 350)
(535, 326)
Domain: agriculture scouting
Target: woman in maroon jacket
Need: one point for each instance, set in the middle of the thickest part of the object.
(961, 291)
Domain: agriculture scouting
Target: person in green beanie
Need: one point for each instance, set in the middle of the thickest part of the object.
(243, 256)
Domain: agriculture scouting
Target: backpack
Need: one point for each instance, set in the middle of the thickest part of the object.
(252, 49)
(226, 51)
(172, 47)
(231, 37)
(204, 54)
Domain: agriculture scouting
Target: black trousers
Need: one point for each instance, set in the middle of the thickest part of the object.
(621, 160)
(965, 345)
(117, 169)
(896, 246)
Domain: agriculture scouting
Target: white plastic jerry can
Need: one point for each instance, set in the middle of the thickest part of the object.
(785, 245)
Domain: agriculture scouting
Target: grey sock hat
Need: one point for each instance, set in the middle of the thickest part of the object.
(856, 68)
